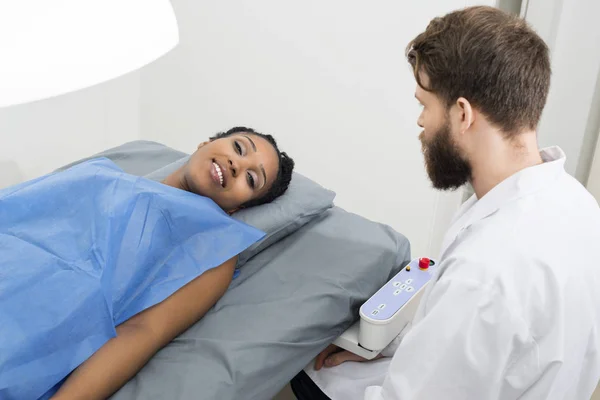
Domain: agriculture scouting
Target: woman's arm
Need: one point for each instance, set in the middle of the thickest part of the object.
(140, 337)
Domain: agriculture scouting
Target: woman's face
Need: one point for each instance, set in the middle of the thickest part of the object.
(232, 170)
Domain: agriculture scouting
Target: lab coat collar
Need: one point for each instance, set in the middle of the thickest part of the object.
(521, 184)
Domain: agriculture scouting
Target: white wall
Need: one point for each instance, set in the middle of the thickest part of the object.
(510, 6)
(593, 184)
(39, 137)
(572, 116)
(327, 78)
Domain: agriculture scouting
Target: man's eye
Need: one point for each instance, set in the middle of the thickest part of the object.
(238, 148)
(251, 181)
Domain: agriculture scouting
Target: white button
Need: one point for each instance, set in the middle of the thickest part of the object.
(397, 292)
(403, 286)
(408, 281)
(381, 306)
(375, 312)
(410, 289)
(396, 284)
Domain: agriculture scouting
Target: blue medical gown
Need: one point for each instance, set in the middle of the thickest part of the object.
(82, 251)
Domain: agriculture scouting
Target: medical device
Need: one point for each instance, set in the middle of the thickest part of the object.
(387, 312)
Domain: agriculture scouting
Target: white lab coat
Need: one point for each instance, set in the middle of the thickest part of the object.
(513, 311)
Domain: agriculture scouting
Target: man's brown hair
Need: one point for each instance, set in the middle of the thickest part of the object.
(492, 59)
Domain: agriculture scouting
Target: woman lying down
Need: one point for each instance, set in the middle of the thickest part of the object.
(100, 269)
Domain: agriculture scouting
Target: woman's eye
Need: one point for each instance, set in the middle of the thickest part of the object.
(238, 148)
(251, 180)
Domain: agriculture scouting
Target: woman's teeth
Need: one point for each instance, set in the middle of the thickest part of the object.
(219, 172)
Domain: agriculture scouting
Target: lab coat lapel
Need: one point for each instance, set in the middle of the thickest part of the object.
(475, 210)
(457, 224)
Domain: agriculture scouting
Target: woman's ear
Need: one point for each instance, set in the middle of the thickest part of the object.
(466, 114)
(203, 144)
(231, 212)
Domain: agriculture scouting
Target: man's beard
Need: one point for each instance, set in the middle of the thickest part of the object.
(446, 167)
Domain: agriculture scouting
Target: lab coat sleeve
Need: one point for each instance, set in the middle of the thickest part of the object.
(391, 348)
(459, 349)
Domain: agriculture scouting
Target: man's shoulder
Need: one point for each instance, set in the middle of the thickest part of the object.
(540, 231)
(551, 216)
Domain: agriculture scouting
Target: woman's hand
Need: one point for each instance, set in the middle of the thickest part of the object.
(333, 356)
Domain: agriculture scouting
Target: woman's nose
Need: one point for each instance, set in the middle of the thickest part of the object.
(233, 167)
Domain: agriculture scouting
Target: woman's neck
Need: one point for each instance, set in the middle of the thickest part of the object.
(177, 180)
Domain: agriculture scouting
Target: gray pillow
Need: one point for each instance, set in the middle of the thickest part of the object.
(303, 201)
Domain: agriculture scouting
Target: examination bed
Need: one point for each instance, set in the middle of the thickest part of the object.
(291, 298)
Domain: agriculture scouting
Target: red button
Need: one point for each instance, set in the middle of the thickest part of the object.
(423, 263)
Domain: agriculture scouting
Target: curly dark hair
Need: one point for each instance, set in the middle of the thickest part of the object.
(286, 166)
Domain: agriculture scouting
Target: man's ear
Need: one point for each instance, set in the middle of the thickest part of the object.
(203, 144)
(466, 114)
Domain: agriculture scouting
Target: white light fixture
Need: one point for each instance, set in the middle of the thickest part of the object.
(52, 47)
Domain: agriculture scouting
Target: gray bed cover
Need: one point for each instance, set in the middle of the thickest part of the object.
(288, 303)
